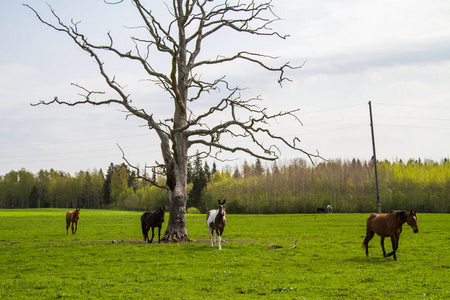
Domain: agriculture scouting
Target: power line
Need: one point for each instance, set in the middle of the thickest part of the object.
(72, 158)
(71, 153)
(412, 118)
(71, 142)
(413, 105)
(331, 109)
(410, 126)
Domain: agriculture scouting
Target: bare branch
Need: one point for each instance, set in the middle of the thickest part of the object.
(138, 174)
(252, 128)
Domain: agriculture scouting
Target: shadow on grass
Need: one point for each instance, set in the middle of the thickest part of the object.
(375, 260)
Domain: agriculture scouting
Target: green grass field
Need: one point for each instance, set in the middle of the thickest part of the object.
(38, 259)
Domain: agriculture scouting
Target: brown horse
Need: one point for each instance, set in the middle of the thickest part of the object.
(72, 217)
(389, 225)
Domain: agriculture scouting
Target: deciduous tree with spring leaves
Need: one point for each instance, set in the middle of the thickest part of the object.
(180, 40)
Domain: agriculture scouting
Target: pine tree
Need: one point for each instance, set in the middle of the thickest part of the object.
(107, 185)
(214, 169)
(207, 171)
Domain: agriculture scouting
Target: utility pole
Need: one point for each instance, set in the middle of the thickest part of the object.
(375, 159)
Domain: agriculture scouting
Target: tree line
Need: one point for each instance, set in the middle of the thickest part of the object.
(296, 187)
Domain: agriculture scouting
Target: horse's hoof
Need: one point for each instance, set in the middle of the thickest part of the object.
(396, 259)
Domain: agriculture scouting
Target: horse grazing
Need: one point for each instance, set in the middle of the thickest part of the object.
(321, 209)
(329, 209)
(389, 225)
(152, 219)
(215, 220)
(72, 217)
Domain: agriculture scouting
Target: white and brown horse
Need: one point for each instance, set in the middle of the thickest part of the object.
(215, 220)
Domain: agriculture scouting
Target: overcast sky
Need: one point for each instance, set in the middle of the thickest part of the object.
(395, 54)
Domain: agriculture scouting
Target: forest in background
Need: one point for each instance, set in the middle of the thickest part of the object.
(295, 187)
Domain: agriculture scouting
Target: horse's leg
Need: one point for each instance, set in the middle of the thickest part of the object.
(72, 229)
(382, 246)
(67, 226)
(146, 233)
(394, 242)
(396, 239)
(153, 234)
(219, 238)
(76, 226)
(211, 234)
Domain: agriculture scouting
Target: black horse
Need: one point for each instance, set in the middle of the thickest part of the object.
(152, 219)
(321, 210)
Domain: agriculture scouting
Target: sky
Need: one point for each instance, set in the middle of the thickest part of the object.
(395, 54)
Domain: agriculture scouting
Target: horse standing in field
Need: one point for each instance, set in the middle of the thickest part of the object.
(329, 209)
(389, 225)
(72, 217)
(321, 210)
(151, 220)
(215, 220)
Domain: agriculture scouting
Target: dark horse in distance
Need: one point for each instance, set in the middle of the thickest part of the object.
(151, 220)
(321, 210)
(389, 225)
(72, 217)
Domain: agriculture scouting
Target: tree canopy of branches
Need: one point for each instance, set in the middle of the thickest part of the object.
(179, 41)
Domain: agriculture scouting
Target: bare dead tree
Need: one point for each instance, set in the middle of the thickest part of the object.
(192, 22)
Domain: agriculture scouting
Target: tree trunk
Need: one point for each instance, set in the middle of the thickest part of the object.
(177, 167)
(176, 228)
(176, 181)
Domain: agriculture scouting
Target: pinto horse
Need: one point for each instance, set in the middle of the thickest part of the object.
(72, 217)
(215, 220)
(389, 225)
(151, 220)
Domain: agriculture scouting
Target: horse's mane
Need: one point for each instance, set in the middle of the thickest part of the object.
(399, 213)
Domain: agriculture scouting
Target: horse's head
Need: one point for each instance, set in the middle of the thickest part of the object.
(161, 213)
(77, 214)
(411, 219)
(222, 208)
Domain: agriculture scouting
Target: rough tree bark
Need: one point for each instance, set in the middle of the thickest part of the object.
(192, 22)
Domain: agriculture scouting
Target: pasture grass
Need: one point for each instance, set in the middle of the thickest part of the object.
(38, 259)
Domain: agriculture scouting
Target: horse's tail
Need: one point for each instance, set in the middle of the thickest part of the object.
(369, 231)
(364, 244)
(143, 229)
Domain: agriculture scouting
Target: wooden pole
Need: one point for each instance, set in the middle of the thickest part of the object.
(375, 159)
